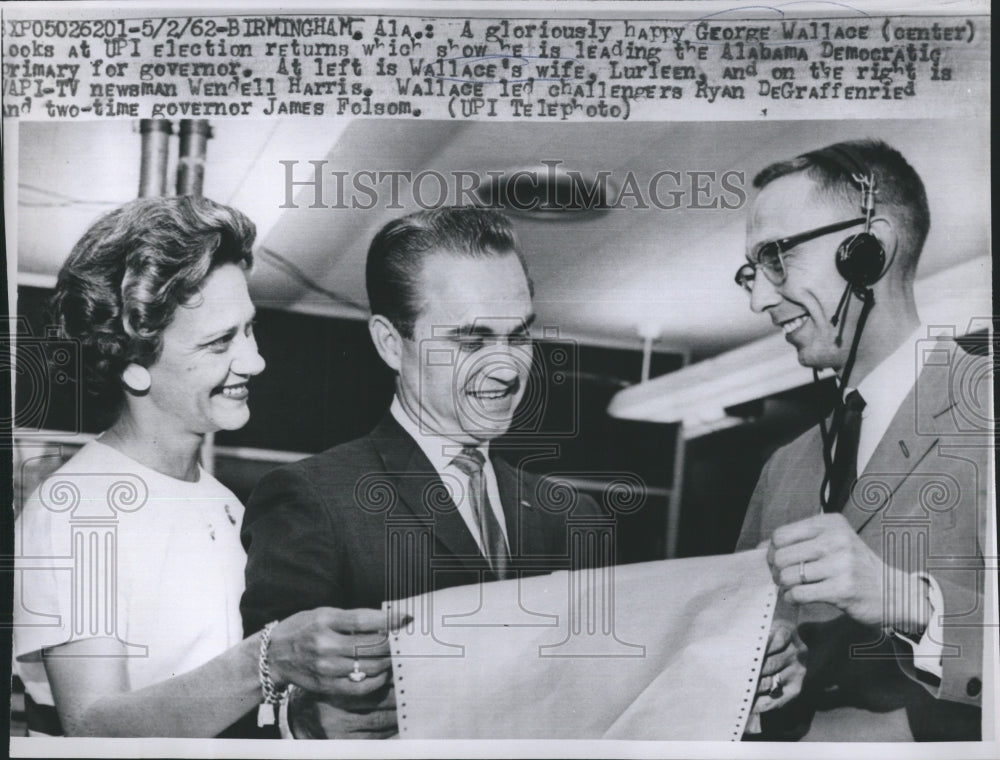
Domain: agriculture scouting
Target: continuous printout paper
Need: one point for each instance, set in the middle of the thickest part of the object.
(667, 650)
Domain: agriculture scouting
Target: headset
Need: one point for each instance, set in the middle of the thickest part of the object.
(860, 257)
(861, 261)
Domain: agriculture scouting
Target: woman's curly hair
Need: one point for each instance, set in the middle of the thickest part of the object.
(126, 276)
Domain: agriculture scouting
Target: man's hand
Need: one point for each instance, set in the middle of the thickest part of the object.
(317, 650)
(784, 667)
(315, 716)
(822, 559)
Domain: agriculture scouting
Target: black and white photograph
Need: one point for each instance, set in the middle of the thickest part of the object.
(563, 380)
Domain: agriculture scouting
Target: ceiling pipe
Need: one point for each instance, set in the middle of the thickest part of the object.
(194, 136)
(155, 149)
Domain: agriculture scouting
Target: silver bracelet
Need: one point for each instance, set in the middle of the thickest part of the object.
(272, 697)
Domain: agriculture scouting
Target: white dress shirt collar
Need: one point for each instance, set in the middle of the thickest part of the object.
(439, 449)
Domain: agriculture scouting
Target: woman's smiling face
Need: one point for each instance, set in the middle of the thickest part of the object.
(199, 382)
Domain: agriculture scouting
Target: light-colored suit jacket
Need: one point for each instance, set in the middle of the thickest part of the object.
(922, 505)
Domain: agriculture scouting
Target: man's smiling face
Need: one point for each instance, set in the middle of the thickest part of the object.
(465, 369)
(803, 306)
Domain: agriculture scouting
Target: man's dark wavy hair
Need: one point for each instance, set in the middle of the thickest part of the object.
(398, 250)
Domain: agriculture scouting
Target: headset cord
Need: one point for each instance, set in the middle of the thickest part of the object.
(840, 315)
(829, 437)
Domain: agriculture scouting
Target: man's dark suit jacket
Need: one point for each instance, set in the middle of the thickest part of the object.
(921, 505)
(317, 532)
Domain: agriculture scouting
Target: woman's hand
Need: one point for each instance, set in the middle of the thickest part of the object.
(323, 651)
(317, 650)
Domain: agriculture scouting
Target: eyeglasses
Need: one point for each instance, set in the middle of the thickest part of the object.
(768, 255)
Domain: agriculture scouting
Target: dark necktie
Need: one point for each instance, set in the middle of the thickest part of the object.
(471, 461)
(845, 460)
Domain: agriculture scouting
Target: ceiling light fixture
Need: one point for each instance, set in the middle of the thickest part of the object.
(550, 191)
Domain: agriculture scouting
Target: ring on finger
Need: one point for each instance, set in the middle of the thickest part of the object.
(776, 687)
(802, 572)
(357, 675)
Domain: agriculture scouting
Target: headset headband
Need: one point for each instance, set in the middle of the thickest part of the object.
(845, 158)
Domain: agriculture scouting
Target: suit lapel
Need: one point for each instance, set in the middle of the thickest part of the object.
(421, 493)
(912, 435)
(801, 482)
(521, 515)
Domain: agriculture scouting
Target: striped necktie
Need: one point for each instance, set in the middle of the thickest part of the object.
(471, 462)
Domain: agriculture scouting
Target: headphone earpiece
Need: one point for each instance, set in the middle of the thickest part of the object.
(861, 259)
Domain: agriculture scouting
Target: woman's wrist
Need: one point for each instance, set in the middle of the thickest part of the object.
(271, 678)
(272, 695)
(279, 678)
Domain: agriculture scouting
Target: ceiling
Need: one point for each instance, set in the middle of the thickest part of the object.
(603, 278)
